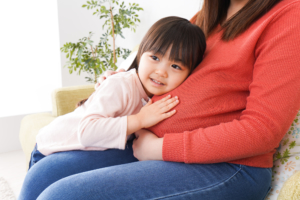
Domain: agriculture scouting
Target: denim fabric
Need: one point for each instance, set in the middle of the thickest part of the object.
(116, 174)
(35, 156)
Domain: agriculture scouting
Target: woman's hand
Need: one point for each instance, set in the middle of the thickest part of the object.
(105, 75)
(147, 146)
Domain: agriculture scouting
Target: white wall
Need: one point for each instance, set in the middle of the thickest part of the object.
(76, 22)
(30, 63)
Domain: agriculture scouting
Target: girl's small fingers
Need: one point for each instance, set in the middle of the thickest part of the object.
(96, 85)
(101, 79)
(121, 70)
(165, 103)
(169, 101)
(164, 99)
(149, 102)
(169, 106)
(169, 114)
(109, 73)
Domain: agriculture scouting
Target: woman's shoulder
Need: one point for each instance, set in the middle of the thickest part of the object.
(288, 2)
(283, 17)
(284, 5)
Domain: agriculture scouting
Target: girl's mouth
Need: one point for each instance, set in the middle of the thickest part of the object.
(156, 82)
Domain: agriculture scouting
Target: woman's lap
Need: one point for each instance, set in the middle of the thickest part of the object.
(59, 165)
(86, 175)
(163, 180)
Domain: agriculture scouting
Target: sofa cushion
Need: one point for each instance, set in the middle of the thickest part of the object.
(286, 159)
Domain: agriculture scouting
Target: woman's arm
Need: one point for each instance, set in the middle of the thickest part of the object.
(147, 146)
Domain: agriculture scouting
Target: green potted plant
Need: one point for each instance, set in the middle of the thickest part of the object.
(85, 56)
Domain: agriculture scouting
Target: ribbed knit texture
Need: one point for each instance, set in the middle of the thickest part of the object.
(240, 101)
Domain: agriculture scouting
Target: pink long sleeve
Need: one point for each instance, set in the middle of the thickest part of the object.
(101, 125)
(104, 123)
(243, 97)
(101, 122)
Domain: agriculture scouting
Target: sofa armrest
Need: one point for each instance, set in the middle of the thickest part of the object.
(30, 126)
(64, 99)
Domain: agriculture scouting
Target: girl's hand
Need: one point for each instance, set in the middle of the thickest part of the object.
(105, 75)
(152, 113)
(96, 86)
(147, 146)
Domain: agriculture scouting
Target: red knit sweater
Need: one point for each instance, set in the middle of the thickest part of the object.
(241, 100)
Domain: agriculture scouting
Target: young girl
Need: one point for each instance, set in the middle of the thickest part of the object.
(168, 53)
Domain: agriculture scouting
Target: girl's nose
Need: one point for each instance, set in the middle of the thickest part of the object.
(161, 72)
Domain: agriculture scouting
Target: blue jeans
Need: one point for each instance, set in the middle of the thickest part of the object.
(117, 174)
(35, 157)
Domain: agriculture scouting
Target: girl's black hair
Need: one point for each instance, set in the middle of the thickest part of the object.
(187, 42)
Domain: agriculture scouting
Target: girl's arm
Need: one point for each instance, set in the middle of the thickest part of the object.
(102, 124)
(105, 122)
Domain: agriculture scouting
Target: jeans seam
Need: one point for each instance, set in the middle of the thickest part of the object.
(186, 192)
(267, 193)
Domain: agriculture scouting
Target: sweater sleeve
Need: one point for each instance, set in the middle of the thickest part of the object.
(101, 125)
(272, 104)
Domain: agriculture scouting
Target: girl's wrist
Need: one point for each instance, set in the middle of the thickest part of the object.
(139, 120)
(133, 124)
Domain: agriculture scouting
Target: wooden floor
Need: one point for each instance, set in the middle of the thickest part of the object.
(13, 169)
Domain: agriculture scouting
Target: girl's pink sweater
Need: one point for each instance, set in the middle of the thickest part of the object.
(241, 100)
(101, 122)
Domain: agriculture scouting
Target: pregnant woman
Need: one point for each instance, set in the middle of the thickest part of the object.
(234, 109)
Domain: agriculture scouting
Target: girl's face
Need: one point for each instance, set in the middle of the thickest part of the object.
(160, 75)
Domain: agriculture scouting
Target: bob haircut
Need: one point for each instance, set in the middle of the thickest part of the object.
(187, 42)
(214, 12)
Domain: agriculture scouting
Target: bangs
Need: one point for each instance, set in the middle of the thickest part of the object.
(186, 41)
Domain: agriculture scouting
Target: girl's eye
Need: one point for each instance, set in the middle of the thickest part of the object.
(154, 57)
(176, 67)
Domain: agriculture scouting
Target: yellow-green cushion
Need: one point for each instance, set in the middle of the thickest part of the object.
(64, 99)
